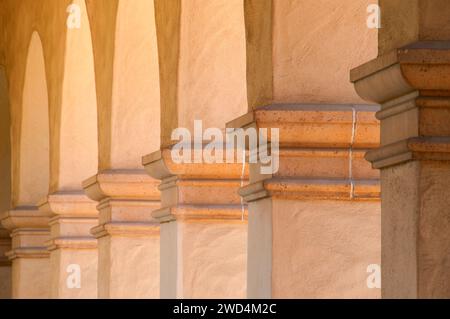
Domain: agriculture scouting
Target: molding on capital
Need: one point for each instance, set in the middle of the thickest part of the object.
(122, 184)
(316, 125)
(69, 204)
(224, 213)
(321, 152)
(420, 66)
(197, 191)
(126, 199)
(73, 215)
(416, 148)
(126, 229)
(311, 189)
(25, 217)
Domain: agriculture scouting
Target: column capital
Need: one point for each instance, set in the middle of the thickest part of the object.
(420, 66)
(29, 230)
(122, 184)
(127, 198)
(67, 209)
(321, 152)
(413, 87)
(199, 191)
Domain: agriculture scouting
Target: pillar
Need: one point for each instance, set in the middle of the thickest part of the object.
(28, 254)
(202, 80)
(410, 80)
(127, 234)
(72, 248)
(203, 228)
(313, 223)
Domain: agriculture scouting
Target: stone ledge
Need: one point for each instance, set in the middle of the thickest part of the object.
(312, 189)
(126, 229)
(122, 184)
(205, 213)
(416, 148)
(418, 66)
(74, 242)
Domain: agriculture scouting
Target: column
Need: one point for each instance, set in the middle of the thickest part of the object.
(127, 234)
(28, 255)
(72, 247)
(313, 223)
(203, 228)
(410, 81)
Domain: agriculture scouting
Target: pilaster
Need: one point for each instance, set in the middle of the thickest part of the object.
(314, 222)
(30, 270)
(413, 87)
(73, 250)
(203, 227)
(127, 234)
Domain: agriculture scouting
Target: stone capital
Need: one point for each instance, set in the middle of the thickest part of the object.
(125, 199)
(122, 184)
(29, 230)
(196, 191)
(73, 214)
(421, 66)
(321, 153)
(413, 87)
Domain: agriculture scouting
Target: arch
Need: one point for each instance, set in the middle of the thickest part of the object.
(33, 157)
(78, 141)
(135, 112)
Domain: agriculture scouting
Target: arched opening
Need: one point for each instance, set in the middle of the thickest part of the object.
(33, 177)
(78, 142)
(135, 118)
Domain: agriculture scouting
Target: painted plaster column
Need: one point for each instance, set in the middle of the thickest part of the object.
(410, 80)
(5, 264)
(128, 235)
(29, 256)
(313, 223)
(73, 249)
(203, 228)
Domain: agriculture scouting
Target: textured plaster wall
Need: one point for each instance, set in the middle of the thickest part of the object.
(5, 144)
(33, 157)
(315, 44)
(78, 159)
(212, 82)
(325, 248)
(136, 102)
(213, 259)
(407, 21)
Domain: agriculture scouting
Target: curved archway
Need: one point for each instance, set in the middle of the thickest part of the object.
(78, 142)
(34, 167)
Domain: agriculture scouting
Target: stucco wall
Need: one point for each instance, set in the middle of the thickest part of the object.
(315, 44)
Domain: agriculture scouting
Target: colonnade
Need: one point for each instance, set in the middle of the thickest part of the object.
(95, 205)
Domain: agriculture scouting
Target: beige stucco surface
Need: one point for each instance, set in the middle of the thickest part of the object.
(212, 71)
(31, 278)
(322, 249)
(135, 128)
(117, 279)
(315, 44)
(212, 260)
